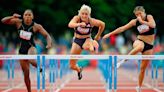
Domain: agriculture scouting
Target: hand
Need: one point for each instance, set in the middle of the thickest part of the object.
(82, 24)
(96, 46)
(106, 36)
(49, 45)
(97, 37)
(139, 19)
(15, 15)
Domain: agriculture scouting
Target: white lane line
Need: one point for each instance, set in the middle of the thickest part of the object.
(62, 85)
(146, 84)
(18, 86)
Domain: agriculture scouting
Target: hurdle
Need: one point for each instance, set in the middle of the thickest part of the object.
(146, 57)
(79, 57)
(11, 59)
(108, 58)
(10, 72)
(52, 73)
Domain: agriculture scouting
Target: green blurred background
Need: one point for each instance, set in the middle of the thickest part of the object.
(54, 16)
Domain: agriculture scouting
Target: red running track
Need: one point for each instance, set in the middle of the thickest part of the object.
(92, 82)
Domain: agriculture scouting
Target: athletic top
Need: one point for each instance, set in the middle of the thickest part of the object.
(26, 36)
(84, 30)
(143, 29)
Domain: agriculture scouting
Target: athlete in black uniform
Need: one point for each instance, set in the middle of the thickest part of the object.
(83, 23)
(145, 25)
(82, 31)
(27, 29)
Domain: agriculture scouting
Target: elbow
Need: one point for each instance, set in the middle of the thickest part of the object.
(47, 36)
(153, 26)
(69, 25)
(2, 20)
(102, 25)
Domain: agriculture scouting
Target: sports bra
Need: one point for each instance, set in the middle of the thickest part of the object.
(84, 30)
(143, 29)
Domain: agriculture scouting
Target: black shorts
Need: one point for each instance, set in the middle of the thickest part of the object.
(146, 46)
(80, 41)
(24, 49)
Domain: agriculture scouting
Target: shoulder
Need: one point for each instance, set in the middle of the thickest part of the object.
(95, 21)
(37, 26)
(149, 16)
(92, 19)
(76, 17)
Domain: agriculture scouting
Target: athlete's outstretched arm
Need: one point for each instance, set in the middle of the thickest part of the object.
(101, 25)
(46, 35)
(11, 19)
(121, 29)
(151, 23)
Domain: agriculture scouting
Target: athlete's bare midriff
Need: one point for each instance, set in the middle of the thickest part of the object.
(147, 38)
(81, 36)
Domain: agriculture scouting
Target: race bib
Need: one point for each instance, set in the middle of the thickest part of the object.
(25, 35)
(143, 28)
(83, 30)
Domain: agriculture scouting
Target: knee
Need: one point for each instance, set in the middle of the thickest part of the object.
(91, 49)
(95, 44)
(140, 48)
(72, 66)
(143, 69)
(32, 51)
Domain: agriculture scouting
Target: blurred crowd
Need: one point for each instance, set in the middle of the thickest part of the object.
(117, 44)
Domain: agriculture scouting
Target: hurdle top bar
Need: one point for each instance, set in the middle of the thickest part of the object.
(137, 57)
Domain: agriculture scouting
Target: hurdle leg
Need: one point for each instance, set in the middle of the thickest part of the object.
(50, 75)
(139, 66)
(58, 73)
(115, 73)
(139, 69)
(163, 71)
(67, 70)
(147, 75)
(12, 73)
(8, 73)
(43, 73)
(61, 73)
(156, 76)
(110, 74)
(53, 74)
(106, 73)
(152, 74)
(38, 73)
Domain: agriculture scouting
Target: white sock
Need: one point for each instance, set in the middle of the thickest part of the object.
(120, 63)
(138, 89)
